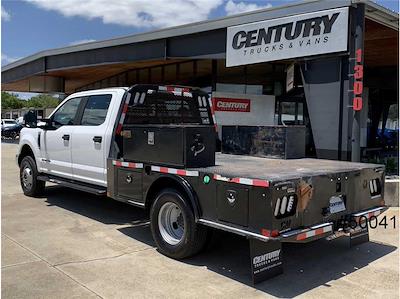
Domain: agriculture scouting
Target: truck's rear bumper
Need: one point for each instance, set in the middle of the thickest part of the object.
(303, 235)
(325, 229)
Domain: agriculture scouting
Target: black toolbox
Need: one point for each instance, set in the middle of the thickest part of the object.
(182, 146)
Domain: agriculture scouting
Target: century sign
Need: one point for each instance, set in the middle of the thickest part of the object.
(231, 105)
(296, 36)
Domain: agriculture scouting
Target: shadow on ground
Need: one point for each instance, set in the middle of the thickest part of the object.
(306, 266)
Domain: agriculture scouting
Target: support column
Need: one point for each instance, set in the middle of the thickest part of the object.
(356, 76)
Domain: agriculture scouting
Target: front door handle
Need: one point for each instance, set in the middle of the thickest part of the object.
(65, 137)
(97, 139)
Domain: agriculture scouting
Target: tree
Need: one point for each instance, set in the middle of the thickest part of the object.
(11, 101)
(42, 101)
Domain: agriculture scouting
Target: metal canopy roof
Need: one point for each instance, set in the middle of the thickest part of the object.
(136, 47)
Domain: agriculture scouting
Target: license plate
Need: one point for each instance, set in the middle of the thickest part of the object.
(336, 204)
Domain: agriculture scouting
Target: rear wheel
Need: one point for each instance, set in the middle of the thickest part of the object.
(28, 173)
(173, 226)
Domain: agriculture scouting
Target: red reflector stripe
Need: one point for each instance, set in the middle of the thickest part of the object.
(181, 172)
(268, 233)
(174, 171)
(313, 232)
(127, 164)
(243, 181)
(164, 169)
(301, 236)
(260, 183)
(119, 129)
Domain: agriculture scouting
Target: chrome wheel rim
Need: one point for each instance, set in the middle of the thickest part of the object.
(170, 223)
(27, 177)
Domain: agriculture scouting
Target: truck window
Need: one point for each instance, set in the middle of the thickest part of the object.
(65, 115)
(166, 108)
(95, 111)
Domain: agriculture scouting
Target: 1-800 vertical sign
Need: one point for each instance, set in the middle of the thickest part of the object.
(358, 81)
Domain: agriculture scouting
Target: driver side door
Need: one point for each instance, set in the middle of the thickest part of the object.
(57, 142)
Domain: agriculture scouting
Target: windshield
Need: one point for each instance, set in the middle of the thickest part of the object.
(10, 122)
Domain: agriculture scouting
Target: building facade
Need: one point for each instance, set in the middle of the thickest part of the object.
(331, 66)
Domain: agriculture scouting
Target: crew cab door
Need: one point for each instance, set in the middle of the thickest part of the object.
(56, 143)
(89, 147)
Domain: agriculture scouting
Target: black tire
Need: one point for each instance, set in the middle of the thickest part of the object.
(194, 235)
(32, 187)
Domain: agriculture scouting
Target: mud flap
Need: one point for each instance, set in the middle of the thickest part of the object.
(266, 259)
(359, 235)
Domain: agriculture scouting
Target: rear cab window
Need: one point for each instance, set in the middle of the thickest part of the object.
(95, 111)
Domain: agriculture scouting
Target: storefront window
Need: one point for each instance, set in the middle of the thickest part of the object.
(186, 72)
(290, 113)
(144, 76)
(170, 73)
(122, 80)
(156, 75)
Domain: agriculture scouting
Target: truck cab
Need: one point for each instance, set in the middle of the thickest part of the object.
(74, 143)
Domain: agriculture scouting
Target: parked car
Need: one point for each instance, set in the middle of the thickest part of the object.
(8, 122)
(11, 131)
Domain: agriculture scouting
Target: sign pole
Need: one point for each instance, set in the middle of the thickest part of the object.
(356, 76)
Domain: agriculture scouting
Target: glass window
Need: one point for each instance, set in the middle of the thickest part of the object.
(144, 76)
(132, 78)
(65, 115)
(291, 113)
(156, 75)
(96, 110)
(170, 74)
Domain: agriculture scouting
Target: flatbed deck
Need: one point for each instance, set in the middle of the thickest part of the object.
(277, 169)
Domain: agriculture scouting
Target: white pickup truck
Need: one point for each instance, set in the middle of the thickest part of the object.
(154, 147)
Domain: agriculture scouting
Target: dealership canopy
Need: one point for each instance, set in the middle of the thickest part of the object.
(72, 68)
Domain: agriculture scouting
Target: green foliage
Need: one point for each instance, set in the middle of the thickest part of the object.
(12, 101)
(42, 101)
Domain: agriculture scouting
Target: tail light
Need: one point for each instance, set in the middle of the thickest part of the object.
(375, 188)
(285, 206)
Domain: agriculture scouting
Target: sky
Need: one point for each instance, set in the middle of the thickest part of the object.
(30, 26)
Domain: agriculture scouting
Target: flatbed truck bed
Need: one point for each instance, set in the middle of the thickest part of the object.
(272, 169)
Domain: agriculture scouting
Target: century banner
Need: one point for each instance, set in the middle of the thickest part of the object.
(289, 37)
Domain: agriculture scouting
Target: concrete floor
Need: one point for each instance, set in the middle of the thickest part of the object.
(71, 244)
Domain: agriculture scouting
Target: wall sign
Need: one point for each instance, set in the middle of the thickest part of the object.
(231, 105)
(301, 35)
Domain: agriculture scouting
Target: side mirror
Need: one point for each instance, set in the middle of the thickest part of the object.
(46, 124)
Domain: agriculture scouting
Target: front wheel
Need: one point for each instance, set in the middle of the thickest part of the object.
(28, 173)
(173, 226)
